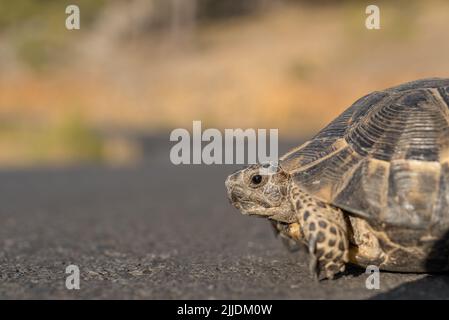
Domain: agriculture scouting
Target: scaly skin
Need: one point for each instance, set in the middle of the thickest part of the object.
(299, 216)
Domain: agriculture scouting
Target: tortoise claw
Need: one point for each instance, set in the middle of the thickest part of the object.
(313, 263)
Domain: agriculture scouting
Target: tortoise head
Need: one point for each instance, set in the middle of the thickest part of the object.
(261, 190)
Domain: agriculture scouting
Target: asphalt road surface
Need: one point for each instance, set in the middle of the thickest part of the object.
(158, 231)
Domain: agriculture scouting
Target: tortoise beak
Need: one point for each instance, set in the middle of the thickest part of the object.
(232, 179)
(229, 183)
(235, 193)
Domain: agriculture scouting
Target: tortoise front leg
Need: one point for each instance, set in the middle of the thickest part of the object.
(324, 230)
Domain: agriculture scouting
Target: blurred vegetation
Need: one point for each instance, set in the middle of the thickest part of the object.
(79, 141)
(148, 66)
(35, 28)
(71, 141)
(398, 20)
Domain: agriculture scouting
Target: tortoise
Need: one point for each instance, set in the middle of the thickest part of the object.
(371, 188)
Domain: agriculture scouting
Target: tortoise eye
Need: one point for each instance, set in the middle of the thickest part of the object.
(256, 179)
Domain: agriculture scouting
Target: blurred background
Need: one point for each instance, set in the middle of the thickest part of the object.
(144, 67)
(85, 117)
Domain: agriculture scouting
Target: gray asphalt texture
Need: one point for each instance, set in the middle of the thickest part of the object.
(158, 231)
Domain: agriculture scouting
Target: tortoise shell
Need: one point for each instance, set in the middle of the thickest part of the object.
(386, 158)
